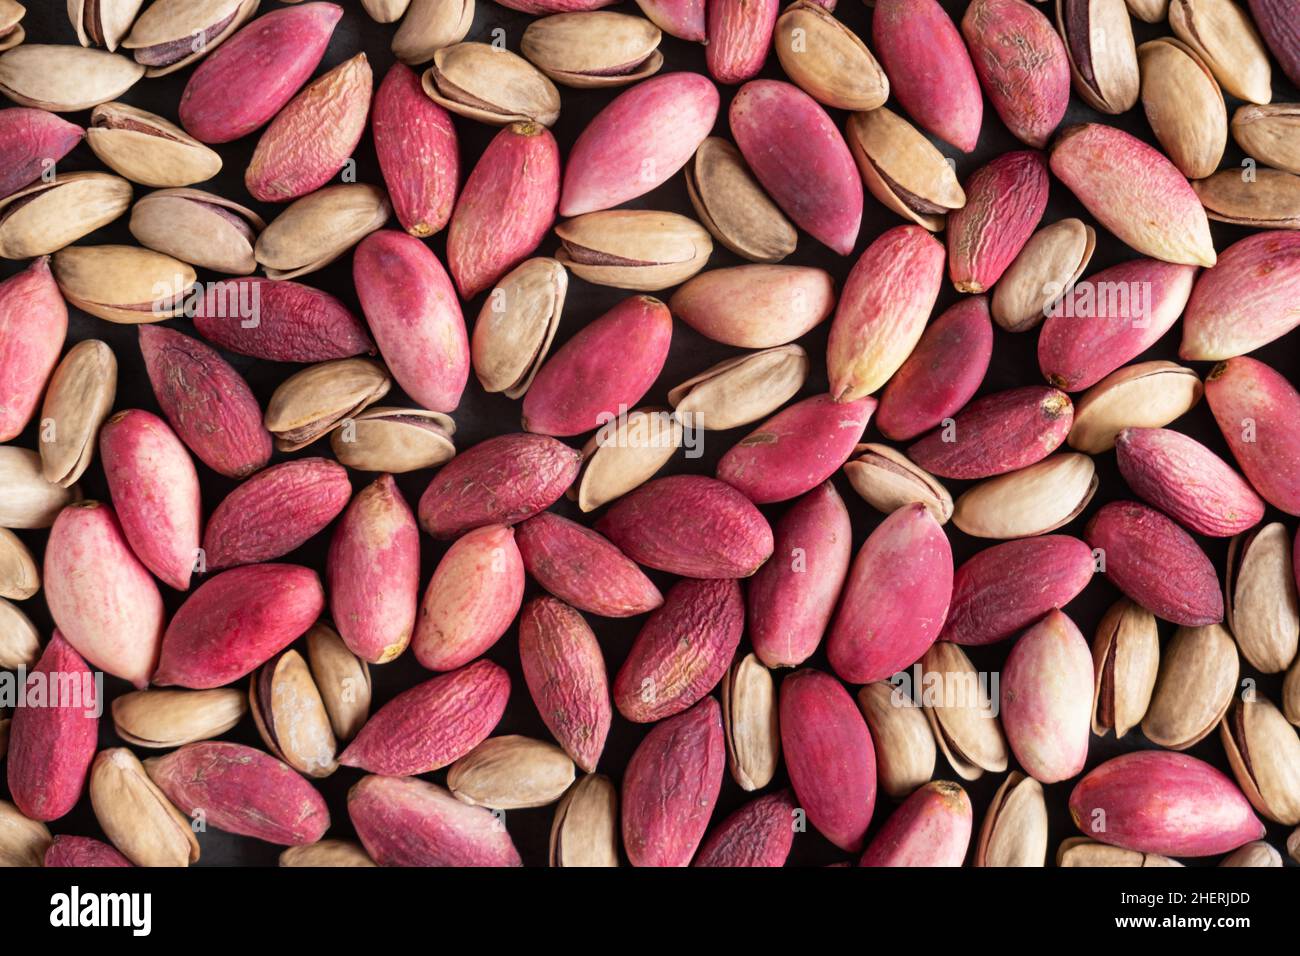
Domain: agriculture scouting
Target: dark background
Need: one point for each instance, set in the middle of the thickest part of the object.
(481, 416)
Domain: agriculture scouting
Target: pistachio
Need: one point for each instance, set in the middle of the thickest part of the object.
(593, 49)
(1293, 845)
(961, 714)
(491, 85)
(635, 249)
(124, 284)
(1126, 659)
(1291, 694)
(310, 403)
(1031, 501)
(64, 79)
(1264, 198)
(1223, 36)
(1260, 598)
(291, 716)
(136, 816)
(1080, 851)
(622, 457)
(23, 842)
(1149, 11)
(1049, 264)
(1145, 395)
(827, 60)
(585, 831)
(517, 324)
(750, 723)
(1184, 106)
(19, 578)
(11, 29)
(342, 678)
(1270, 134)
(147, 149)
(381, 11)
(510, 772)
(20, 644)
(160, 719)
(429, 25)
(741, 390)
(734, 207)
(77, 400)
(318, 228)
(902, 737)
(1258, 853)
(29, 500)
(199, 228)
(172, 34)
(327, 852)
(394, 440)
(1198, 674)
(102, 22)
(46, 216)
(887, 480)
(1264, 753)
(1014, 832)
(1103, 59)
(903, 169)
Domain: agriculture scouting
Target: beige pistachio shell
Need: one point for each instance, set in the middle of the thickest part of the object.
(593, 49)
(291, 717)
(625, 454)
(1051, 261)
(733, 206)
(1291, 693)
(741, 390)
(1103, 58)
(20, 643)
(1198, 675)
(77, 400)
(64, 79)
(517, 324)
(1014, 832)
(1184, 106)
(167, 21)
(903, 169)
(342, 679)
(887, 480)
(394, 440)
(749, 721)
(1263, 198)
(136, 816)
(47, 216)
(29, 500)
(1145, 395)
(638, 249)
(1260, 602)
(900, 732)
(1258, 853)
(430, 25)
(1293, 845)
(124, 284)
(200, 228)
(327, 853)
(1264, 753)
(102, 22)
(312, 402)
(1080, 851)
(318, 228)
(827, 60)
(1126, 660)
(147, 149)
(492, 85)
(1222, 35)
(1269, 134)
(1149, 11)
(1032, 501)
(11, 29)
(382, 11)
(585, 830)
(164, 718)
(23, 841)
(19, 577)
(511, 772)
(961, 712)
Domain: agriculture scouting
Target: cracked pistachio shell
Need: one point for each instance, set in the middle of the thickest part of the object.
(47, 216)
(64, 79)
(637, 249)
(136, 816)
(1082, 852)
(1014, 832)
(482, 82)
(330, 853)
(1032, 501)
(1103, 59)
(1264, 753)
(1264, 198)
(517, 324)
(593, 49)
(428, 26)
(749, 721)
(100, 22)
(12, 34)
(625, 454)
(827, 60)
(1125, 659)
(77, 400)
(903, 169)
(734, 207)
(1184, 106)
(1145, 395)
(887, 480)
(318, 228)
(147, 149)
(741, 390)
(342, 678)
(23, 841)
(162, 718)
(1260, 598)
(29, 500)
(1258, 853)
(318, 399)
(19, 578)
(20, 644)
(1222, 35)
(959, 707)
(124, 284)
(291, 717)
(1149, 11)
(585, 830)
(172, 34)
(385, 11)
(198, 227)
(1198, 675)
(394, 440)
(511, 772)
(1051, 261)
(905, 750)
(1269, 134)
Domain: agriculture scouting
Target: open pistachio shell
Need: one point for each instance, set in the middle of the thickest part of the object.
(47, 216)
(625, 454)
(903, 169)
(310, 403)
(734, 207)
(961, 714)
(147, 149)
(1080, 851)
(741, 390)
(318, 228)
(827, 60)
(29, 500)
(11, 30)
(1145, 395)
(164, 718)
(198, 227)
(19, 578)
(1198, 675)
(1264, 753)
(1126, 659)
(102, 22)
(585, 829)
(593, 49)
(1184, 106)
(637, 249)
(1260, 605)
(1103, 59)
(1263, 198)
(1014, 832)
(172, 34)
(517, 324)
(20, 643)
(64, 79)
(342, 678)
(1222, 35)
(887, 480)
(124, 284)
(1269, 134)
(749, 723)
(492, 85)
(429, 25)
(1032, 501)
(900, 732)
(1049, 264)
(77, 400)
(291, 716)
(394, 440)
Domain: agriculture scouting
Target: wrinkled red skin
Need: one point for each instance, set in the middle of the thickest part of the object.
(292, 322)
(1256, 410)
(740, 35)
(1005, 200)
(33, 325)
(418, 152)
(931, 828)
(81, 852)
(1278, 24)
(760, 833)
(31, 139)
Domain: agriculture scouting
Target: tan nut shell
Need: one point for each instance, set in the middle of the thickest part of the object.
(1080, 851)
(167, 20)
(327, 853)
(887, 480)
(23, 841)
(749, 721)
(64, 79)
(11, 29)
(1264, 753)
(1270, 134)
(1051, 261)
(1032, 501)
(900, 732)
(1268, 199)
(160, 154)
(342, 679)
(124, 284)
(1222, 35)
(1126, 660)
(634, 449)
(896, 159)
(20, 643)
(47, 216)
(511, 772)
(1014, 832)
(1291, 694)
(491, 85)
(318, 228)
(184, 224)
(394, 440)
(826, 59)
(638, 249)
(1260, 601)
(585, 829)
(1116, 78)
(1184, 106)
(77, 400)
(312, 402)
(29, 500)
(593, 49)
(114, 21)
(1198, 675)
(382, 11)
(164, 718)
(430, 25)
(517, 324)
(741, 390)
(961, 713)
(1145, 395)
(733, 206)
(136, 816)
(291, 717)
(19, 577)
(1258, 853)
